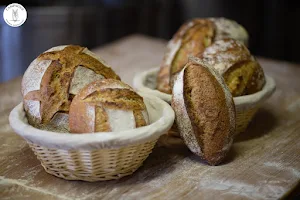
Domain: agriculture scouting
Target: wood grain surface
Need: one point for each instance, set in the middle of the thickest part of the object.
(264, 162)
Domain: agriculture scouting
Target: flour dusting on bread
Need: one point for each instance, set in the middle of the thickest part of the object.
(83, 76)
(205, 112)
(116, 107)
(182, 118)
(120, 120)
(226, 28)
(222, 54)
(33, 75)
(228, 96)
(54, 75)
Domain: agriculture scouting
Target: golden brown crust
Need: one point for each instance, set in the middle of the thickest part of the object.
(226, 52)
(242, 73)
(257, 80)
(194, 41)
(91, 103)
(243, 78)
(139, 118)
(81, 117)
(55, 83)
(205, 113)
(117, 99)
(73, 56)
(101, 120)
(208, 112)
(163, 79)
(190, 39)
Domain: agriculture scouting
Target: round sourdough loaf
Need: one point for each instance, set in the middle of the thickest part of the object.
(54, 77)
(231, 59)
(205, 112)
(107, 105)
(191, 39)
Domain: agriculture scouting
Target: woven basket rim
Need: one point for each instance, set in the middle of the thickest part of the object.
(241, 101)
(161, 112)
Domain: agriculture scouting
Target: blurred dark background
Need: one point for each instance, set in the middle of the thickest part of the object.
(273, 25)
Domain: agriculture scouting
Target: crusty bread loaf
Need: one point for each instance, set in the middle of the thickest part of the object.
(226, 28)
(232, 60)
(52, 79)
(205, 112)
(107, 105)
(190, 40)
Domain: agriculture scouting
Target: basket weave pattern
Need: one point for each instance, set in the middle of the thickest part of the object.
(95, 165)
(243, 118)
(146, 82)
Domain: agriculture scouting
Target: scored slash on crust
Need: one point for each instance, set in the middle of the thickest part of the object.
(48, 81)
(222, 54)
(107, 105)
(202, 33)
(182, 118)
(228, 96)
(232, 60)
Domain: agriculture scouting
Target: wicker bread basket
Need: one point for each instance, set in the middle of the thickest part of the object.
(95, 156)
(246, 106)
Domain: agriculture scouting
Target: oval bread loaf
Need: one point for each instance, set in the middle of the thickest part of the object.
(54, 77)
(105, 106)
(205, 112)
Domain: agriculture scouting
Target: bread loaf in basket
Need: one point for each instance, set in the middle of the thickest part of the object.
(81, 121)
(95, 156)
(245, 106)
(54, 78)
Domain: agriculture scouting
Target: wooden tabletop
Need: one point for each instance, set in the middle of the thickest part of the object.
(264, 162)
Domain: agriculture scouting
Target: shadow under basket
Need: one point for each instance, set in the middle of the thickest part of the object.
(95, 156)
(246, 106)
